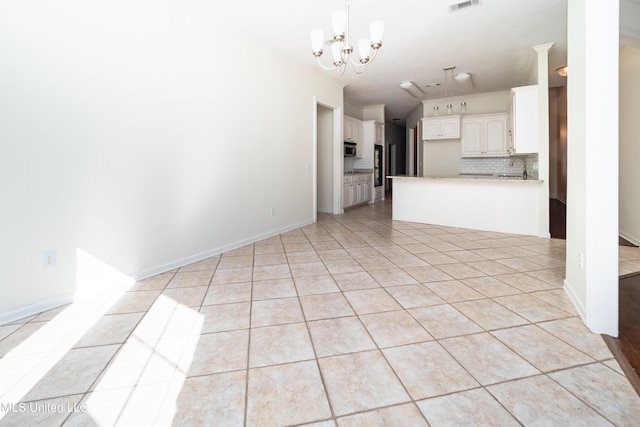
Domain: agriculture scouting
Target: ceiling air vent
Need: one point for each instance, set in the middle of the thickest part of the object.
(463, 5)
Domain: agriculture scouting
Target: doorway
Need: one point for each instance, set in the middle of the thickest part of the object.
(393, 153)
(328, 158)
(558, 162)
(324, 163)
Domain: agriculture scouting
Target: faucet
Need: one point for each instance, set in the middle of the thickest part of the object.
(524, 167)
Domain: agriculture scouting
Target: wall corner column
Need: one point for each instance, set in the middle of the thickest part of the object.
(592, 166)
(543, 137)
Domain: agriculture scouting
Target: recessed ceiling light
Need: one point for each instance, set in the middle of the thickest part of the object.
(412, 89)
(463, 5)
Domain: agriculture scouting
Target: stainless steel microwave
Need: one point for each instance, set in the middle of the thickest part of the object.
(349, 149)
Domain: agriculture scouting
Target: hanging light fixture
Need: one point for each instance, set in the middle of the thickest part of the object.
(449, 78)
(463, 80)
(449, 106)
(341, 50)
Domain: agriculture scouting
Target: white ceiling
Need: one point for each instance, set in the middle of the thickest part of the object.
(492, 41)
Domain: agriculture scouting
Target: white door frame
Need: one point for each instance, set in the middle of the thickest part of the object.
(338, 155)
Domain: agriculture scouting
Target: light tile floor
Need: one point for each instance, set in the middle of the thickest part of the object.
(357, 320)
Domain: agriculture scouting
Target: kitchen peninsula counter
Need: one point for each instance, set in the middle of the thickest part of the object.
(507, 204)
(468, 177)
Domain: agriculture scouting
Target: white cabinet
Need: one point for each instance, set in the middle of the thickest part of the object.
(484, 135)
(379, 133)
(357, 189)
(372, 134)
(348, 195)
(349, 129)
(352, 132)
(441, 128)
(524, 120)
(368, 190)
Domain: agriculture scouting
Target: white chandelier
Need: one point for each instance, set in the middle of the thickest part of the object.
(341, 50)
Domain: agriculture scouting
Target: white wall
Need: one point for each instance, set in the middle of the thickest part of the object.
(325, 159)
(142, 133)
(443, 157)
(630, 144)
(374, 112)
(592, 184)
(354, 111)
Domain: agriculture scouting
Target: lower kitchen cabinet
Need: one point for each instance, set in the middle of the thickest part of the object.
(357, 189)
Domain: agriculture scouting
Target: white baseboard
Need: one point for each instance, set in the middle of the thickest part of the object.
(39, 307)
(215, 251)
(630, 238)
(30, 310)
(574, 299)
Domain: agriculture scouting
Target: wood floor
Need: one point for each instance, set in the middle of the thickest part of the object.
(627, 345)
(628, 340)
(557, 219)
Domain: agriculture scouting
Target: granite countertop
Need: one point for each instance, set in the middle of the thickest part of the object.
(358, 172)
(471, 177)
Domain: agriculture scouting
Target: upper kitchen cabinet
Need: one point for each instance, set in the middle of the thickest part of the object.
(372, 134)
(524, 120)
(379, 133)
(484, 135)
(441, 128)
(352, 132)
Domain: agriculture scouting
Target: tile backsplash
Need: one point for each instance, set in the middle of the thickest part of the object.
(348, 164)
(501, 165)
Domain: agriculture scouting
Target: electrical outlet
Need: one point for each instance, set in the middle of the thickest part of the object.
(272, 211)
(580, 261)
(48, 259)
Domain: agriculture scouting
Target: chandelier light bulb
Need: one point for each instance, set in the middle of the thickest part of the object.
(317, 38)
(376, 29)
(339, 20)
(364, 48)
(336, 53)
